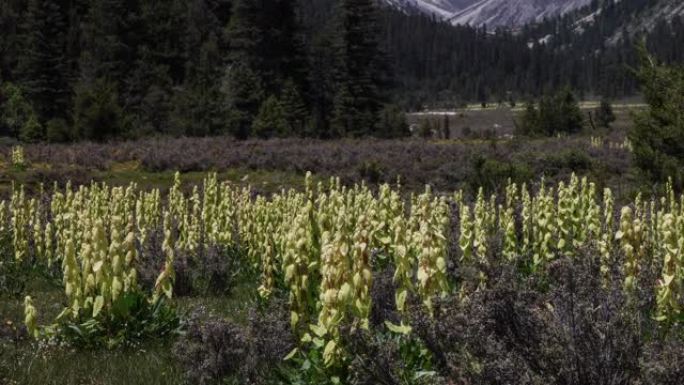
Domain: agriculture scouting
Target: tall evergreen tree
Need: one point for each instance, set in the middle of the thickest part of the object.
(244, 95)
(243, 82)
(15, 110)
(105, 53)
(97, 114)
(156, 63)
(357, 100)
(604, 114)
(10, 11)
(200, 104)
(271, 120)
(295, 110)
(265, 50)
(42, 64)
(658, 132)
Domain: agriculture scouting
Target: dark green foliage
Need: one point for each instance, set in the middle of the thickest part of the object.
(658, 132)
(604, 114)
(392, 123)
(357, 99)
(97, 114)
(294, 109)
(13, 273)
(446, 127)
(131, 319)
(266, 59)
(58, 131)
(105, 52)
(528, 123)
(205, 67)
(568, 160)
(32, 130)
(271, 120)
(198, 106)
(10, 39)
(425, 129)
(556, 114)
(213, 350)
(43, 64)
(492, 174)
(244, 95)
(15, 110)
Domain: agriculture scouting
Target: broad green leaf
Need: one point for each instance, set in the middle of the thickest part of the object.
(329, 352)
(98, 305)
(319, 330)
(399, 329)
(290, 355)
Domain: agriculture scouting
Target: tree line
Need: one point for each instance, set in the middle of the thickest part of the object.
(100, 69)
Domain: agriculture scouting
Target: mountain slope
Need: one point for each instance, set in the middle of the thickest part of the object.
(441, 8)
(650, 18)
(508, 13)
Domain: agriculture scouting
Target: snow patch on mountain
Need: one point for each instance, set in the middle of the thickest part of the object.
(496, 13)
(663, 12)
(443, 9)
(490, 12)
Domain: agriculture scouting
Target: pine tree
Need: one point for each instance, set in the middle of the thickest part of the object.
(158, 61)
(10, 20)
(244, 95)
(199, 106)
(345, 115)
(97, 114)
(265, 51)
(392, 123)
(658, 133)
(528, 124)
(42, 64)
(149, 93)
(271, 120)
(569, 112)
(15, 110)
(604, 114)
(322, 78)
(32, 131)
(357, 100)
(105, 51)
(558, 113)
(281, 47)
(58, 131)
(295, 110)
(244, 82)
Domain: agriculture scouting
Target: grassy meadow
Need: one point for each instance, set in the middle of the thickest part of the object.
(458, 163)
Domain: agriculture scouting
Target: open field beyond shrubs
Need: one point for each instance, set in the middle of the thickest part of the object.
(269, 165)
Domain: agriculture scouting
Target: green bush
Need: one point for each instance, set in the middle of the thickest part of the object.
(132, 319)
(97, 114)
(392, 123)
(58, 131)
(492, 174)
(572, 160)
(270, 121)
(658, 132)
(16, 113)
(556, 114)
(32, 131)
(604, 114)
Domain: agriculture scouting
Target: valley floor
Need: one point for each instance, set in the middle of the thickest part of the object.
(269, 167)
